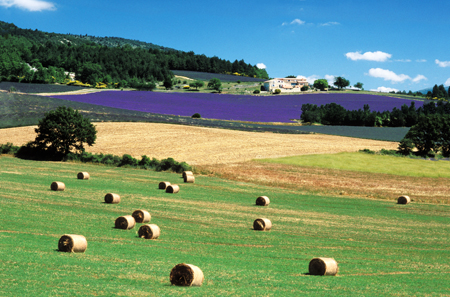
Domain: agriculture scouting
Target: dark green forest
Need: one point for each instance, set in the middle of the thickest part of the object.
(34, 56)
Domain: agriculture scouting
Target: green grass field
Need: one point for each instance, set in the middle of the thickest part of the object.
(382, 248)
(370, 163)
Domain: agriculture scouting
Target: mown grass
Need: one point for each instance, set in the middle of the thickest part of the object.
(370, 163)
(382, 248)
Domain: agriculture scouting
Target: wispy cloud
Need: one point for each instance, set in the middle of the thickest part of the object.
(329, 24)
(384, 90)
(447, 82)
(389, 75)
(30, 5)
(377, 56)
(442, 63)
(294, 22)
(261, 66)
(421, 60)
(403, 60)
(419, 78)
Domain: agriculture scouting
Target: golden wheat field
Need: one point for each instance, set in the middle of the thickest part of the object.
(203, 146)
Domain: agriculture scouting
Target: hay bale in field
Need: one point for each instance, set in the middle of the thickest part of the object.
(186, 275)
(72, 243)
(83, 175)
(323, 266)
(189, 179)
(173, 189)
(112, 198)
(403, 199)
(163, 185)
(125, 222)
(58, 186)
(263, 201)
(262, 224)
(187, 173)
(141, 216)
(149, 231)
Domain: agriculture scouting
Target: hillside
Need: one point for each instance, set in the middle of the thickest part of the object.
(40, 37)
(41, 57)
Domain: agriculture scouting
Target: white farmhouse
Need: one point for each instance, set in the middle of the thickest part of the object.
(285, 84)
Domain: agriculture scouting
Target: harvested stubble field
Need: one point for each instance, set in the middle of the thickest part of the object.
(204, 146)
(228, 154)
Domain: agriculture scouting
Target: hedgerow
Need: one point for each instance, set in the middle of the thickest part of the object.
(30, 152)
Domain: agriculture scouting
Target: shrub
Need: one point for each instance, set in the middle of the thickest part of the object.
(367, 151)
(196, 116)
(277, 91)
(128, 160)
(8, 148)
(256, 91)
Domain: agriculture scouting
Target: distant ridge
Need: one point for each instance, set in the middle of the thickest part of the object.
(41, 37)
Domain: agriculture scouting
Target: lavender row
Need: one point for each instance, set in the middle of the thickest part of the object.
(233, 107)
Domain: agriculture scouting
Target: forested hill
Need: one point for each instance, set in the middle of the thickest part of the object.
(35, 56)
(39, 37)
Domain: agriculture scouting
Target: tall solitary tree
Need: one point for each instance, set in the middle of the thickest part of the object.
(64, 130)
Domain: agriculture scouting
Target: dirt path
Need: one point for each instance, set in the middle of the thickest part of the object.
(203, 146)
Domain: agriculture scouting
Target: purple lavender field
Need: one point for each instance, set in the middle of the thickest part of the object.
(233, 107)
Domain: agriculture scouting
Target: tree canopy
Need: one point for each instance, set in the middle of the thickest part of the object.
(215, 84)
(321, 84)
(341, 82)
(64, 130)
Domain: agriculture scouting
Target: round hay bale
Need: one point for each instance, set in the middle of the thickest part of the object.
(141, 216)
(262, 201)
(403, 199)
(125, 222)
(163, 185)
(58, 186)
(189, 179)
(262, 224)
(186, 275)
(112, 198)
(186, 173)
(71, 243)
(83, 175)
(173, 189)
(149, 231)
(323, 266)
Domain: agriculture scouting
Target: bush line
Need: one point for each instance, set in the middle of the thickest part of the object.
(126, 160)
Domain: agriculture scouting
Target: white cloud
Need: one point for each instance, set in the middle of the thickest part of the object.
(403, 60)
(419, 78)
(261, 66)
(310, 79)
(384, 90)
(388, 75)
(297, 22)
(31, 5)
(421, 60)
(447, 82)
(294, 22)
(329, 24)
(330, 79)
(442, 63)
(377, 56)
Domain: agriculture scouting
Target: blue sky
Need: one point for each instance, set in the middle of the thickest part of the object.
(386, 45)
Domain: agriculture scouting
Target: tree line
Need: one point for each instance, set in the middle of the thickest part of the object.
(33, 56)
(406, 116)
